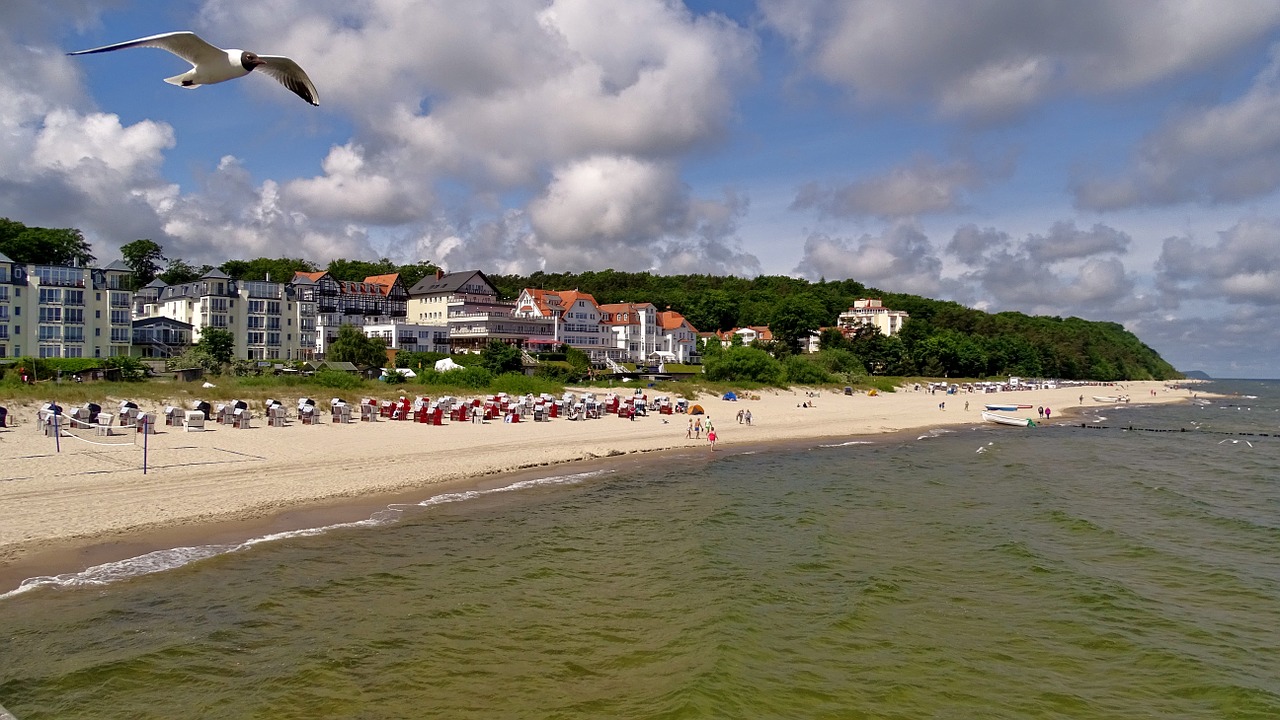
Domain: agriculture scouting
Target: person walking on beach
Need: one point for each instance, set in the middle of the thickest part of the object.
(739, 417)
(688, 433)
(711, 438)
(1046, 413)
(697, 429)
(747, 417)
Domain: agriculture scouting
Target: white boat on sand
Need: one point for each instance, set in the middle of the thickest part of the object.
(1111, 398)
(1008, 419)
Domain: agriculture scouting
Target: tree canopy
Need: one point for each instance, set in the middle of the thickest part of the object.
(353, 346)
(44, 246)
(143, 257)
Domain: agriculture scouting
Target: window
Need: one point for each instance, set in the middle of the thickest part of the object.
(273, 338)
(50, 332)
(51, 314)
(273, 323)
(218, 321)
(50, 296)
(119, 300)
(273, 307)
(74, 297)
(120, 317)
(73, 315)
(121, 335)
(4, 332)
(256, 338)
(256, 323)
(73, 334)
(257, 306)
(50, 351)
(73, 352)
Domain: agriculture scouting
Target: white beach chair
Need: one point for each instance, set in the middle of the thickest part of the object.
(104, 423)
(194, 421)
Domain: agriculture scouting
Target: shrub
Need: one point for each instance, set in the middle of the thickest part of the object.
(744, 363)
(801, 370)
(337, 379)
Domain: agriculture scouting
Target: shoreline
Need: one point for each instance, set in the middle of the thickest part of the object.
(91, 504)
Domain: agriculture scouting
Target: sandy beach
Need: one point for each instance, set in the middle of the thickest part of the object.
(90, 503)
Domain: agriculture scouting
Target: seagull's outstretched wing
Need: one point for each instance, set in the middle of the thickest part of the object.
(289, 74)
(185, 44)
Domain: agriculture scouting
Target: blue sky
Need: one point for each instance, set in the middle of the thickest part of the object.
(1109, 160)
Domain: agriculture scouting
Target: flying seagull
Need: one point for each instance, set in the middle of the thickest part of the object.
(211, 64)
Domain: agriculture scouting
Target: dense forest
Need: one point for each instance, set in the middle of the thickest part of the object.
(942, 338)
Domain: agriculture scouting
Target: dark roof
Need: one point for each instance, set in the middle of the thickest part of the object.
(216, 274)
(449, 282)
(118, 265)
(4, 259)
(161, 320)
(157, 283)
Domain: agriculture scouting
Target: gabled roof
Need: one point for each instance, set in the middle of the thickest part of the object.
(158, 284)
(118, 265)
(549, 301)
(672, 320)
(632, 311)
(4, 259)
(312, 277)
(448, 282)
(215, 274)
(386, 282)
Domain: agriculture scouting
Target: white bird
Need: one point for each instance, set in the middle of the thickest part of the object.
(211, 64)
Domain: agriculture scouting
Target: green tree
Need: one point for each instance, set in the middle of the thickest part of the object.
(219, 344)
(794, 318)
(358, 270)
(353, 346)
(180, 272)
(410, 274)
(499, 357)
(143, 257)
(279, 270)
(44, 246)
(744, 363)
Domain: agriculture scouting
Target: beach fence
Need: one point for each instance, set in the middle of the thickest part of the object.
(88, 424)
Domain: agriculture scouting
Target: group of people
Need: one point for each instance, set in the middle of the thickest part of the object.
(744, 415)
(696, 427)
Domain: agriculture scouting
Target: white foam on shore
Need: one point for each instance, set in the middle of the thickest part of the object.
(847, 444)
(172, 558)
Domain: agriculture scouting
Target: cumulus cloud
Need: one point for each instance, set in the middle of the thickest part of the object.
(990, 59)
(924, 186)
(1241, 267)
(1220, 154)
(1065, 270)
(901, 259)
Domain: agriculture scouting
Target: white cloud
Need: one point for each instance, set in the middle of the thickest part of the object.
(1220, 154)
(989, 59)
(921, 187)
(899, 260)
(1241, 267)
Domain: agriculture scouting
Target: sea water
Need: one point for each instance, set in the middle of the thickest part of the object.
(1126, 569)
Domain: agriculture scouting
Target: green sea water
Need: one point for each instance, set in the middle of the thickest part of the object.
(1055, 572)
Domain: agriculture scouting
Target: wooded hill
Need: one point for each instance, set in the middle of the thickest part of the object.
(942, 338)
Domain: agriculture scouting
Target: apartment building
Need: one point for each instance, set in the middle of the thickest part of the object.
(468, 303)
(62, 311)
(265, 318)
(575, 320)
(635, 327)
(679, 337)
(869, 311)
(376, 304)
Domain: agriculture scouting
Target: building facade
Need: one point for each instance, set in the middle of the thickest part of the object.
(869, 311)
(469, 304)
(679, 337)
(635, 327)
(264, 318)
(64, 312)
(575, 320)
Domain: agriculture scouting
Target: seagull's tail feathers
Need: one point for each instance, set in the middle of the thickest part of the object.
(182, 81)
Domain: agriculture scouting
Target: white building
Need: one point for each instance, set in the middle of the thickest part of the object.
(60, 311)
(264, 318)
(576, 320)
(469, 303)
(678, 337)
(872, 312)
(636, 330)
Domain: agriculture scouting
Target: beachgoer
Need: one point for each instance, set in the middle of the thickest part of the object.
(1040, 411)
(739, 417)
(942, 405)
(747, 417)
(711, 437)
(688, 433)
(966, 404)
(1046, 413)
(697, 429)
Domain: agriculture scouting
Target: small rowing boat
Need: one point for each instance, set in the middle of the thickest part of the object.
(1003, 408)
(1008, 420)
